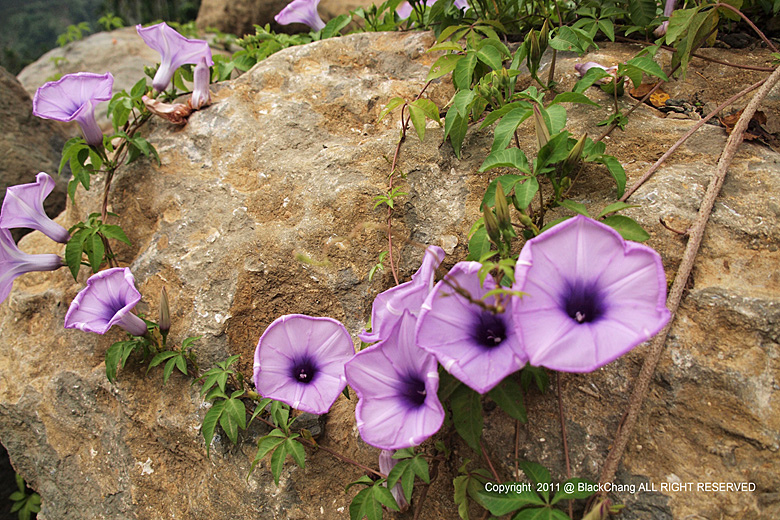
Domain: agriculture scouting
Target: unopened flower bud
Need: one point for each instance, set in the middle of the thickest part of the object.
(534, 51)
(544, 36)
(491, 225)
(200, 91)
(542, 133)
(502, 209)
(574, 155)
(165, 313)
(526, 220)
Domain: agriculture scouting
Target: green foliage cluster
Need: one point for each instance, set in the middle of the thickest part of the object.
(24, 504)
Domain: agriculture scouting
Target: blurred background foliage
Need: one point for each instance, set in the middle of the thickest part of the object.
(30, 28)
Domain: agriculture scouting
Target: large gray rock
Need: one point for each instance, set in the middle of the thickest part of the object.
(28, 144)
(263, 206)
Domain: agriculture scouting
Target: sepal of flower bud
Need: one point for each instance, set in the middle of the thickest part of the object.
(491, 225)
(574, 155)
(502, 209)
(542, 133)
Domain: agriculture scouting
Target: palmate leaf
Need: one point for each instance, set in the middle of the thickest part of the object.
(576, 494)
(503, 503)
(117, 354)
(455, 127)
(537, 474)
(540, 513)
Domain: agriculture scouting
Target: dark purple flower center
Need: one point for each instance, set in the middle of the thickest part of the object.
(304, 371)
(583, 302)
(489, 330)
(413, 391)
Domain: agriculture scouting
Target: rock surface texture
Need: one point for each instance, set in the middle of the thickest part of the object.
(28, 145)
(263, 206)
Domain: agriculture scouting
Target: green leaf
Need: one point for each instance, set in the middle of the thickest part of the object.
(365, 505)
(478, 246)
(505, 129)
(615, 206)
(555, 151)
(507, 158)
(277, 462)
(576, 494)
(237, 410)
(641, 12)
(113, 231)
(335, 25)
(461, 102)
(592, 76)
(117, 354)
(537, 474)
(467, 415)
(573, 97)
(503, 503)
(295, 449)
(210, 423)
(490, 56)
(74, 250)
(555, 115)
(391, 105)
(616, 170)
(526, 191)
(420, 468)
(455, 127)
(509, 396)
(95, 252)
(444, 65)
(383, 496)
(537, 375)
(447, 384)
(464, 71)
(417, 116)
(627, 227)
(428, 107)
(647, 65)
(678, 23)
(576, 207)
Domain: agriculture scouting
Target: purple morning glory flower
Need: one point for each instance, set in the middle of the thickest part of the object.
(175, 50)
(201, 96)
(107, 300)
(386, 465)
(668, 10)
(405, 9)
(389, 306)
(590, 297)
(299, 360)
(23, 208)
(73, 98)
(582, 68)
(476, 345)
(396, 383)
(14, 262)
(301, 11)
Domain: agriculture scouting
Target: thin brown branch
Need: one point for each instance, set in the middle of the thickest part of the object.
(750, 23)
(688, 134)
(696, 232)
(701, 56)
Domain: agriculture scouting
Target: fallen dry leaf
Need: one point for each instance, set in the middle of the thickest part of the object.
(657, 99)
